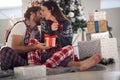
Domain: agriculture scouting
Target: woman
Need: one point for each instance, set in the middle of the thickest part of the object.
(62, 54)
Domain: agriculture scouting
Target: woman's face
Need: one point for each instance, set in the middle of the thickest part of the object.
(46, 13)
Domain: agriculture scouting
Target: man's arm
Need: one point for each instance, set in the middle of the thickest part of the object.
(19, 48)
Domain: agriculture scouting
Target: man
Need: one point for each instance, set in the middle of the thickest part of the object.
(14, 53)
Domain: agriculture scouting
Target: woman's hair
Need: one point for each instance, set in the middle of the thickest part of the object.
(33, 9)
(55, 10)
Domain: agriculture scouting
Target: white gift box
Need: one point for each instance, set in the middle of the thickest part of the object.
(96, 16)
(102, 35)
(88, 48)
(30, 72)
(107, 48)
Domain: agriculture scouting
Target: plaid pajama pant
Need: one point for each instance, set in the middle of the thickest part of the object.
(34, 56)
(56, 59)
(10, 59)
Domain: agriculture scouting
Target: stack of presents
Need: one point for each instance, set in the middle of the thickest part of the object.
(97, 25)
(100, 41)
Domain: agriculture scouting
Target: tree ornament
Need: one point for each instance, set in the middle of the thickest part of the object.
(71, 14)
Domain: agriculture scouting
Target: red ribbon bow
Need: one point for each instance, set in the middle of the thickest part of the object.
(48, 36)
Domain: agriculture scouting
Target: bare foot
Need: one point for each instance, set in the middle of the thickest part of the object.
(90, 62)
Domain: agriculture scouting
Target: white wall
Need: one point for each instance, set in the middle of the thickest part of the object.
(113, 15)
(25, 3)
(4, 25)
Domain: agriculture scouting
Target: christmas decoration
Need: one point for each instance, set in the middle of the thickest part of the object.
(108, 61)
(74, 11)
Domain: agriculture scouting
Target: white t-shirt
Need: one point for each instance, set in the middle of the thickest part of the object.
(20, 29)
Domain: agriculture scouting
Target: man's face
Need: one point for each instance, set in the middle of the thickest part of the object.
(38, 17)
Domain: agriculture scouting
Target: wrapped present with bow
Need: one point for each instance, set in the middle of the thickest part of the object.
(96, 16)
(50, 40)
(97, 26)
(26, 72)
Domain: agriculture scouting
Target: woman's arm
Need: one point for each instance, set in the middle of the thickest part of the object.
(65, 35)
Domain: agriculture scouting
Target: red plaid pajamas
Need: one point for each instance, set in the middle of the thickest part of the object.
(60, 56)
(10, 59)
(34, 57)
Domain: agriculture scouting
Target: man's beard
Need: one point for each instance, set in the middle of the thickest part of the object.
(38, 22)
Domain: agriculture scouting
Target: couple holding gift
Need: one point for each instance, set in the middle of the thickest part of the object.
(26, 42)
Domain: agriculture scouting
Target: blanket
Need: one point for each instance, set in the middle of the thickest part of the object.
(53, 71)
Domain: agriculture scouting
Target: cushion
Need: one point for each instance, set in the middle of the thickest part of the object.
(88, 48)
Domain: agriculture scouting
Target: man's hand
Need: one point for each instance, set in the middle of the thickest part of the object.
(42, 46)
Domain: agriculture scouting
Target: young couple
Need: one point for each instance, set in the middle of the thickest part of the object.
(26, 40)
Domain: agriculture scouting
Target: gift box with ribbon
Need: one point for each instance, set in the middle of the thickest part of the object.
(102, 35)
(50, 40)
(97, 26)
(96, 16)
(30, 72)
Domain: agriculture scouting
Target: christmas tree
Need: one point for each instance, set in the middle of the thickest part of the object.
(74, 11)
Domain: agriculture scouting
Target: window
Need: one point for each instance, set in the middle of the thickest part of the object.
(105, 4)
(10, 3)
(10, 8)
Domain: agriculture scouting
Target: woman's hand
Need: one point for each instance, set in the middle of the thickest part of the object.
(42, 46)
(54, 26)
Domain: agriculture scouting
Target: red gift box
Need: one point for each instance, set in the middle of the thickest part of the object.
(50, 40)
